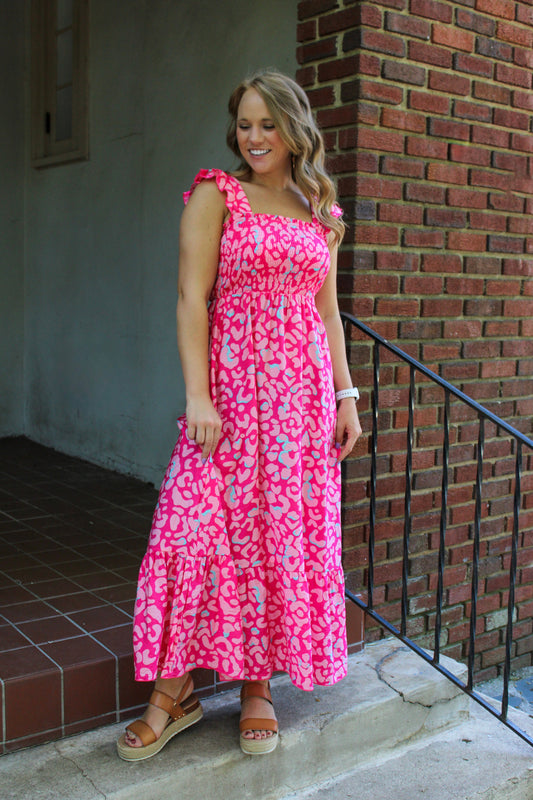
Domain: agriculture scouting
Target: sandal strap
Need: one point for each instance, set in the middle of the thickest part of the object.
(144, 731)
(258, 724)
(185, 687)
(256, 689)
(171, 705)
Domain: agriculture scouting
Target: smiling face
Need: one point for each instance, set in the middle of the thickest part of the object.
(260, 144)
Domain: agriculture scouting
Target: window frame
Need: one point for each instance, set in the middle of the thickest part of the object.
(45, 149)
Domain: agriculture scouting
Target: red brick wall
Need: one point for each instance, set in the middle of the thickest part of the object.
(427, 108)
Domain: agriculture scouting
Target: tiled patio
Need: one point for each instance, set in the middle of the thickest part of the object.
(71, 539)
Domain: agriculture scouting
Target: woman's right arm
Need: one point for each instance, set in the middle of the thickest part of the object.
(199, 247)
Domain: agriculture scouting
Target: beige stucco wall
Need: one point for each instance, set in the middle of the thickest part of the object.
(103, 380)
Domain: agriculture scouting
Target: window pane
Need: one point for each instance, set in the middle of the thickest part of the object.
(64, 114)
(59, 81)
(64, 13)
(64, 58)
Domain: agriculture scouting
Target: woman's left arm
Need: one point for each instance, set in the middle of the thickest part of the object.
(348, 427)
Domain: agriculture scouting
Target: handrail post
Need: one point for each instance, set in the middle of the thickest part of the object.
(407, 503)
(475, 553)
(442, 527)
(373, 478)
(512, 581)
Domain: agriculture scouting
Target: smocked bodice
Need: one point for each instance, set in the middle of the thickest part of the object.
(265, 252)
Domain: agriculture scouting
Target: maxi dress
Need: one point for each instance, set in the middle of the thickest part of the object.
(243, 572)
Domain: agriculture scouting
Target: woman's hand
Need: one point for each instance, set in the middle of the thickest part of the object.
(204, 425)
(348, 428)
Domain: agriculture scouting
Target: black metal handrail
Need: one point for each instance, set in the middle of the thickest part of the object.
(521, 440)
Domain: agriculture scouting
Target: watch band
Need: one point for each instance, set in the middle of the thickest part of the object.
(352, 392)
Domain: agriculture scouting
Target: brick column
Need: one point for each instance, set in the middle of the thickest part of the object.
(427, 108)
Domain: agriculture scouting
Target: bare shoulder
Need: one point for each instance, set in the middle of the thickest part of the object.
(206, 199)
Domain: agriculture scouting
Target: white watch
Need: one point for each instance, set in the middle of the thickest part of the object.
(353, 392)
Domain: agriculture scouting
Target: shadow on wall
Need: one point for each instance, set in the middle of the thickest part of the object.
(92, 294)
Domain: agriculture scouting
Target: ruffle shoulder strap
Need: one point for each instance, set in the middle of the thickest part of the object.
(335, 211)
(230, 186)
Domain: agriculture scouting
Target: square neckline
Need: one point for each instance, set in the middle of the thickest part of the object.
(264, 214)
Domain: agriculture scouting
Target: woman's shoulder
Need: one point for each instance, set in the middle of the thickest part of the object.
(211, 177)
(219, 188)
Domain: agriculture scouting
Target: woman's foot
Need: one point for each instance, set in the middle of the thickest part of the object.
(172, 708)
(156, 717)
(256, 703)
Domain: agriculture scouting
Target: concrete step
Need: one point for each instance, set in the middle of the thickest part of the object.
(390, 699)
(479, 760)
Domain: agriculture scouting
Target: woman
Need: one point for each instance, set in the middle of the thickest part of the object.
(243, 569)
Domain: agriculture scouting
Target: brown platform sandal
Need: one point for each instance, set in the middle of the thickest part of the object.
(182, 715)
(253, 747)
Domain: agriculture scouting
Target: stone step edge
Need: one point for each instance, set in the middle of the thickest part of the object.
(480, 759)
(390, 698)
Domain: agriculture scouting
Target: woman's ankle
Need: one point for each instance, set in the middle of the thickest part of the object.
(173, 686)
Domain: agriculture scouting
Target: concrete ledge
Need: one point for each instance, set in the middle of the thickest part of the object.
(390, 699)
(479, 760)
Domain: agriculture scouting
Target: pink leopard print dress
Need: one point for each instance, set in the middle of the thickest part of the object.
(243, 568)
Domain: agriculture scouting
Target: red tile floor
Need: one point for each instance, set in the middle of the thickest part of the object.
(71, 539)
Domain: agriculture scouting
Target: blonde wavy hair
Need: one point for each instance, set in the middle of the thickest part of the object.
(291, 114)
